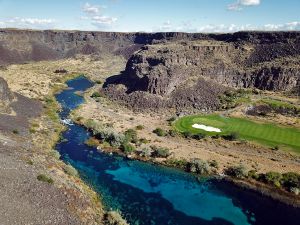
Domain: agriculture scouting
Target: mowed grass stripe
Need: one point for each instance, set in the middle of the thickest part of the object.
(268, 134)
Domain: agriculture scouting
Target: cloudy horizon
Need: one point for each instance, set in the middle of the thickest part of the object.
(203, 16)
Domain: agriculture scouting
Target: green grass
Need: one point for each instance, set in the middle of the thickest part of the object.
(276, 105)
(268, 134)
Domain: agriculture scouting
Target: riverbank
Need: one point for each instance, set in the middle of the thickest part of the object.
(244, 183)
(112, 116)
(75, 200)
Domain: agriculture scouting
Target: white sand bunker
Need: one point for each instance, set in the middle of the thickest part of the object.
(206, 128)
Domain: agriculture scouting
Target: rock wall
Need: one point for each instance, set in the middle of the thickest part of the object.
(5, 93)
(160, 69)
(18, 46)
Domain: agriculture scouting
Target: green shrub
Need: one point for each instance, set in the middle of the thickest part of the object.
(236, 171)
(253, 174)
(273, 178)
(173, 133)
(199, 166)
(160, 132)
(177, 163)
(171, 120)
(70, 170)
(146, 152)
(139, 127)
(32, 130)
(127, 148)
(15, 131)
(55, 154)
(160, 152)
(114, 218)
(143, 141)
(107, 134)
(92, 142)
(98, 82)
(96, 94)
(45, 178)
(291, 180)
(131, 136)
(217, 136)
(214, 163)
(232, 136)
(198, 136)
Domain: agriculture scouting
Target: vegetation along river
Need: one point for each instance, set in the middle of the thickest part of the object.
(152, 194)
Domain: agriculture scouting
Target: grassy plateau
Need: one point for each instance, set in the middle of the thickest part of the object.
(264, 133)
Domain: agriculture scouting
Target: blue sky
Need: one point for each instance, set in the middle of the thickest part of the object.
(152, 15)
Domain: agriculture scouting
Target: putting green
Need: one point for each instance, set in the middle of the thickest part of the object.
(267, 133)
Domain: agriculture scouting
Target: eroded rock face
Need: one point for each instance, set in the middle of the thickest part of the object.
(159, 69)
(193, 72)
(5, 94)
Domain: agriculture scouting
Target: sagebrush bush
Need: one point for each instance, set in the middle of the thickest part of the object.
(92, 142)
(70, 170)
(45, 178)
(55, 154)
(131, 136)
(146, 152)
(114, 218)
(237, 171)
(273, 178)
(291, 180)
(199, 166)
(160, 132)
(127, 148)
(139, 127)
(96, 94)
(160, 152)
(232, 136)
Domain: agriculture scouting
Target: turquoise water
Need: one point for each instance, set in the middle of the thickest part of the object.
(151, 194)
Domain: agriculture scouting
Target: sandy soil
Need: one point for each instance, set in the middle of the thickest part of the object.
(35, 80)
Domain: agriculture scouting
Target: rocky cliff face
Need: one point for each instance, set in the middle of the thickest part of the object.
(5, 93)
(159, 69)
(267, 61)
(173, 69)
(18, 46)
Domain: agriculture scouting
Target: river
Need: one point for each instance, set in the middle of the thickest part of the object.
(149, 194)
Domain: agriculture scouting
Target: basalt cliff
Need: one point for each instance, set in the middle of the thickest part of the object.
(194, 72)
(174, 70)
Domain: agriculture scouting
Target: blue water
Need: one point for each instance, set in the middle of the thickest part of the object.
(151, 194)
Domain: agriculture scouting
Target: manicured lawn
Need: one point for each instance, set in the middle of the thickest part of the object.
(267, 134)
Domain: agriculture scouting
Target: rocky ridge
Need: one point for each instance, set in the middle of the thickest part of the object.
(173, 70)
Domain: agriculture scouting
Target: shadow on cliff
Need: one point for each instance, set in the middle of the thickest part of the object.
(131, 83)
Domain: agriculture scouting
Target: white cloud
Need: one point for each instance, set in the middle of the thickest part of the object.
(34, 23)
(249, 2)
(166, 26)
(222, 28)
(94, 14)
(285, 27)
(103, 20)
(240, 4)
(92, 9)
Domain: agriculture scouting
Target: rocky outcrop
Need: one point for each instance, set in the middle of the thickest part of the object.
(168, 68)
(18, 46)
(174, 69)
(5, 93)
(159, 69)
